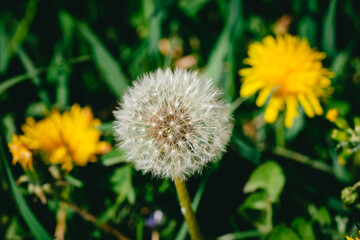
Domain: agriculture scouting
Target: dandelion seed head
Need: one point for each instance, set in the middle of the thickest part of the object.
(186, 122)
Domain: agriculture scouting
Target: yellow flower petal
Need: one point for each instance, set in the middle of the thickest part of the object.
(250, 87)
(332, 115)
(67, 139)
(263, 95)
(315, 104)
(291, 111)
(272, 110)
(21, 153)
(306, 105)
(288, 63)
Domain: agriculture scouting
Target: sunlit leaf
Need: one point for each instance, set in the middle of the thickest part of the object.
(283, 233)
(269, 177)
(303, 228)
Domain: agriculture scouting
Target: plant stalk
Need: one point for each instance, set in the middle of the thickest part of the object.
(187, 210)
(91, 218)
(60, 228)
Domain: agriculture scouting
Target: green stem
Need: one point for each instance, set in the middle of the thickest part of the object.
(280, 131)
(187, 210)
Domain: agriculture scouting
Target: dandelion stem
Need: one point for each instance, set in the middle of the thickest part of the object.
(280, 131)
(187, 210)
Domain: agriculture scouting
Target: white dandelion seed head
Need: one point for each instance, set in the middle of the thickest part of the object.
(172, 123)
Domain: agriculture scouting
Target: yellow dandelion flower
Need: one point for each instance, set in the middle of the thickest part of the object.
(290, 71)
(21, 153)
(351, 238)
(67, 139)
(332, 115)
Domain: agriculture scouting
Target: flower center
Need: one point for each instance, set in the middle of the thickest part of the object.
(171, 126)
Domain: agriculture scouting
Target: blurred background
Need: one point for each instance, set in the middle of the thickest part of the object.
(54, 54)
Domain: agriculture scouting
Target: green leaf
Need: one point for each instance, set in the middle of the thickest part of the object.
(9, 127)
(58, 72)
(297, 127)
(23, 28)
(106, 127)
(340, 171)
(67, 27)
(240, 235)
(139, 227)
(246, 150)
(256, 201)
(322, 216)
(283, 233)
(342, 106)
(36, 109)
(303, 228)
(112, 158)
(328, 36)
(4, 50)
(269, 177)
(74, 181)
(122, 184)
(8, 83)
(307, 28)
(30, 68)
(35, 227)
(258, 210)
(107, 65)
(214, 67)
(168, 230)
(192, 7)
(339, 64)
(14, 230)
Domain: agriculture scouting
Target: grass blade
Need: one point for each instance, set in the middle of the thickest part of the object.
(107, 65)
(214, 68)
(4, 52)
(328, 36)
(35, 227)
(23, 27)
(30, 68)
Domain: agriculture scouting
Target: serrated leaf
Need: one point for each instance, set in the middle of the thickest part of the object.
(269, 177)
